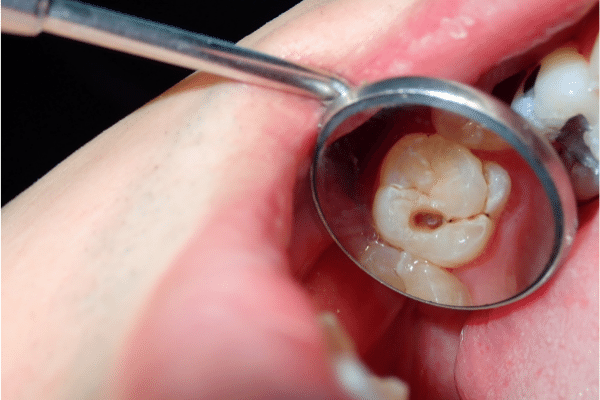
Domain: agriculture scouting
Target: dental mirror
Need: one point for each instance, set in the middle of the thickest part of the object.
(435, 189)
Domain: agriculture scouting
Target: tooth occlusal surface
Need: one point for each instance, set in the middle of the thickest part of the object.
(433, 199)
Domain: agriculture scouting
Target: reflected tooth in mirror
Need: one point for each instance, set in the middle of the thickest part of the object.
(430, 282)
(466, 132)
(380, 260)
(450, 244)
(418, 277)
(498, 182)
(433, 199)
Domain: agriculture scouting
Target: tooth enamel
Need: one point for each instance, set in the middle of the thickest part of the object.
(562, 88)
(498, 182)
(432, 200)
(419, 277)
(430, 282)
(465, 131)
(566, 86)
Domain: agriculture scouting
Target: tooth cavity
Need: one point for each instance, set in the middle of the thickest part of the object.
(566, 86)
(433, 197)
(466, 132)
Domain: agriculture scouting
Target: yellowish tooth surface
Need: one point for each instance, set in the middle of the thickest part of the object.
(451, 244)
(433, 197)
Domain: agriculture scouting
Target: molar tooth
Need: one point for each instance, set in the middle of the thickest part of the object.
(419, 277)
(439, 218)
(453, 243)
(430, 282)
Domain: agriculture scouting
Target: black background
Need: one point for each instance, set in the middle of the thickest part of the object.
(57, 94)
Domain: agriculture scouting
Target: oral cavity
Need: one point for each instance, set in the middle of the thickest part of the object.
(566, 86)
(435, 208)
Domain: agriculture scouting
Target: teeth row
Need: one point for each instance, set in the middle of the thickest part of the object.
(435, 205)
(566, 86)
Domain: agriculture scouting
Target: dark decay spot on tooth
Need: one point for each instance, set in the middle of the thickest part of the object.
(506, 89)
(427, 220)
(530, 81)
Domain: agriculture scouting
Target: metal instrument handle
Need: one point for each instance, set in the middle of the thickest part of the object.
(117, 31)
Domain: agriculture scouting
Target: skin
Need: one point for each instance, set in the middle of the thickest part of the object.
(177, 254)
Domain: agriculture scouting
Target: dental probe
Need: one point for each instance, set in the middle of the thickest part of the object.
(356, 124)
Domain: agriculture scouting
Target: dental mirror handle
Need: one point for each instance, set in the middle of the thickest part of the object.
(137, 36)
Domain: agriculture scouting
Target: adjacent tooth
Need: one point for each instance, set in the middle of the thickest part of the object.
(566, 86)
(432, 200)
(562, 88)
(419, 277)
(353, 376)
(498, 182)
(465, 131)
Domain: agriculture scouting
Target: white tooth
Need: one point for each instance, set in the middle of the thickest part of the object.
(591, 135)
(524, 106)
(498, 182)
(419, 278)
(465, 131)
(432, 200)
(430, 282)
(381, 261)
(563, 89)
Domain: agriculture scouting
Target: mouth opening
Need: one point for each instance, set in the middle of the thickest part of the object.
(368, 151)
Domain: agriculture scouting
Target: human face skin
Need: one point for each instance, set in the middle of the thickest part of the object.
(180, 246)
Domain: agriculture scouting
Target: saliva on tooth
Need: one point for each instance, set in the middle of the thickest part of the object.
(435, 209)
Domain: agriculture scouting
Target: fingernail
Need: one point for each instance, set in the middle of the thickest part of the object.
(353, 376)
